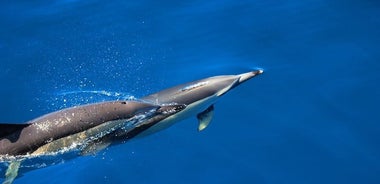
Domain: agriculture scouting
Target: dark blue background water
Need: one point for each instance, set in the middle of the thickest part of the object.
(312, 117)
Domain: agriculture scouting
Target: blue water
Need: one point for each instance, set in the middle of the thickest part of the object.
(312, 117)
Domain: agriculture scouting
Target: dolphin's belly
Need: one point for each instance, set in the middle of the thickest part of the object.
(191, 110)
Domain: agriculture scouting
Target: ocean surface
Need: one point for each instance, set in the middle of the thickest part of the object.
(313, 116)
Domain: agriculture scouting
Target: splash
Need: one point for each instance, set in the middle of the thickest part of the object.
(111, 94)
(64, 99)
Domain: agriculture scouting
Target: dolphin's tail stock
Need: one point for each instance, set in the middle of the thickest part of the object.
(5, 131)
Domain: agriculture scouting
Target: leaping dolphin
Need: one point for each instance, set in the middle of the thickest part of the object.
(75, 128)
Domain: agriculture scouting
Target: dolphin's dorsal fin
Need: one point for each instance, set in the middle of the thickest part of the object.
(11, 172)
(6, 129)
(205, 118)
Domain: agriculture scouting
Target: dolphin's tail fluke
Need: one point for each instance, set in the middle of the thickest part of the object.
(12, 172)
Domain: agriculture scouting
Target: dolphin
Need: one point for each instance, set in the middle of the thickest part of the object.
(198, 96)
(75, 128)
(195, 98)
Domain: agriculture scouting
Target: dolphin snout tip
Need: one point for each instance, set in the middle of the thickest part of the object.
(257, 72)
(246, 76)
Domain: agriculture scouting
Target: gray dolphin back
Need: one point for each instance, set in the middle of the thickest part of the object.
(22, 139)
(192, 91)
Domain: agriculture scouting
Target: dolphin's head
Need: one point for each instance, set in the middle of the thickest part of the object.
(197, 90)
(198, 98)
(222, 84)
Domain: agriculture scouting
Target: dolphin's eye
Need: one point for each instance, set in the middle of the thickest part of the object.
(193, 86)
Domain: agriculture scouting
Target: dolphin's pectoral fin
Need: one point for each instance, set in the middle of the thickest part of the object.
(205, 117)
(11, 172)
(95, 146)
